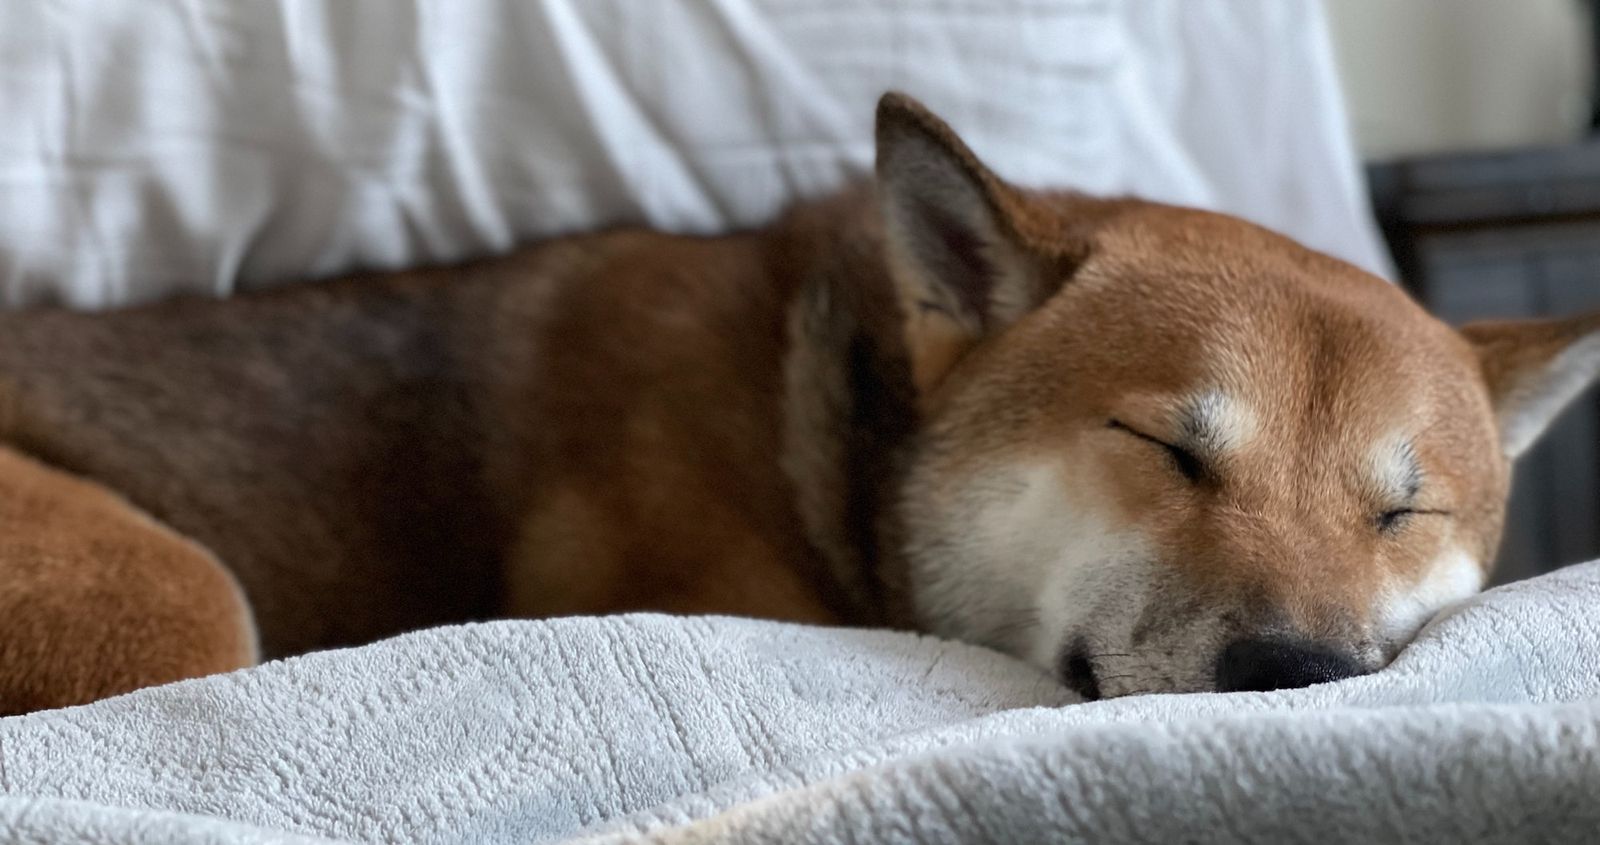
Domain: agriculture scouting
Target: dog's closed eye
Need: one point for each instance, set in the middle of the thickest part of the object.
(1392, 521)
(1187, 462)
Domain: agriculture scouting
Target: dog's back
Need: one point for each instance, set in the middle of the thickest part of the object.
(364, 454)
(336, 445)
(332, 435)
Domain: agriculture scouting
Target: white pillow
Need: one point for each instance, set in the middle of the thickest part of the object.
(166, 145)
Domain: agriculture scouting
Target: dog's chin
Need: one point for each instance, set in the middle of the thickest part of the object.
(1098, 674)
(1081, 673)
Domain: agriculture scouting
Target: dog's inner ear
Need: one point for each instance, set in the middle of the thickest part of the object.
(1534, 369)
(960, 269)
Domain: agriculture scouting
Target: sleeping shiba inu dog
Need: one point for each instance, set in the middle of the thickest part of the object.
(1146, 448)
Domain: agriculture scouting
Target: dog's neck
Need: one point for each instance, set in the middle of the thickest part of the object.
(849, 408)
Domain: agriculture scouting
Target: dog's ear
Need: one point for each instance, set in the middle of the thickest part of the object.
(1534, 368)
(959, 265)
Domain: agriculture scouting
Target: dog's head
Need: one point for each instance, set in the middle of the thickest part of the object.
(1167, 450)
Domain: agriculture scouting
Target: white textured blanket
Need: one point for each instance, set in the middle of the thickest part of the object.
(1486, 729)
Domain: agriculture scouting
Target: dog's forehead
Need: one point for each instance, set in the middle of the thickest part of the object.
(1221, 332)
(1256, 334)
(1326, 378)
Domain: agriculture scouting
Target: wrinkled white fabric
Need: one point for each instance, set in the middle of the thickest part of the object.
(160, 146)
(1486, 729)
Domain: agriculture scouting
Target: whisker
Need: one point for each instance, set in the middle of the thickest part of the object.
(1021, 623)
(1011, 628)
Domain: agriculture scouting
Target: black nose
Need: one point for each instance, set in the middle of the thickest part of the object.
(1263, 665)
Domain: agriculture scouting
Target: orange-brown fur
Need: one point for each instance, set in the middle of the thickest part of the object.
(98, 599)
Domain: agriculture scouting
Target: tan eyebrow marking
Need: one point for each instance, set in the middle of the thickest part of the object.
(1397, 471)
(1214, 423)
